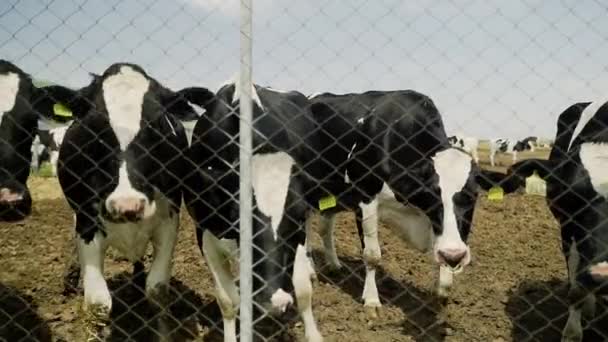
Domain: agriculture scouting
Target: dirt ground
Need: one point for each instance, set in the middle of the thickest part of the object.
(514, 289)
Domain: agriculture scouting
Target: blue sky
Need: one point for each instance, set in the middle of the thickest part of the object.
(494, 68)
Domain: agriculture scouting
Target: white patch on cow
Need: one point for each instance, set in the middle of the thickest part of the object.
(189, 128)
(124, 97)
(91, 256)
(281, 300)
(411, 224)
(171, 125)
(361, 120)
(270, 180)
(58, 133)
(594, 157)
(9, 87)
(303, 289)
(453, 168)
(369, 213)
(236, 81)
(197, 109)
(350, 154)
(586, 116)
(125, 189)
(371, 252)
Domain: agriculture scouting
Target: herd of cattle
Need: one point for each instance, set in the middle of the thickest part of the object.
(135, 149)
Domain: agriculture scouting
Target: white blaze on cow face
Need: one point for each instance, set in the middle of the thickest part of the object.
(594, 157)
(270, 180)
(586, 116)
(125, 191)
(124, 97)
(453, 169)
(9, 87)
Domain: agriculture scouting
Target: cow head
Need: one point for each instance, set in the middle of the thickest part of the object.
(21, 105)
(445, 187)
(127, 124)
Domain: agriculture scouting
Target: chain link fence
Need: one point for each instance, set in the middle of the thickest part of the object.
(431, 171)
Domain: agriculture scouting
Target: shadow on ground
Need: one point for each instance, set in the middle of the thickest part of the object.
(538, 310)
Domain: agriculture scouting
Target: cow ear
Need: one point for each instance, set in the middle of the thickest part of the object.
(508, 182)
(180, 104)
(57, 103)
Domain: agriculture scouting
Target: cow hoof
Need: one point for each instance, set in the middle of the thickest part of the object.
(97, 319)
(314, 336)
(372, 312)
(334, 266)
(572, 333)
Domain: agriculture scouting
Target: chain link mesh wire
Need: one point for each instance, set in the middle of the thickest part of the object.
(493, 70)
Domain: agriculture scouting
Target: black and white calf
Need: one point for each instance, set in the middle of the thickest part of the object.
(45, 147)
(530, 143)
(21, 105)
(468, 144)
(506, 146)
(120, 167)
(391, 154)
(577, 195)
(285, 149)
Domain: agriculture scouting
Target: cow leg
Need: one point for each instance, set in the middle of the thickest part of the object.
(514, 157)
(157, 281)
(54, 157)
(97, 299)
(303, 290)
(573, 330)
(367, 226)
(475, 156)
(492, 156)
(309, 255)
(446, 278)
(71, 276)
(227, 295)
(327, 223)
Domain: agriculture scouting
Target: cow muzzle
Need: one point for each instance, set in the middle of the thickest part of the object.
(455, 259)
(15, 205)
(127, 209)
(599, 271)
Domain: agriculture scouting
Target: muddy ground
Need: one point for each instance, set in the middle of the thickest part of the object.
(514, 289)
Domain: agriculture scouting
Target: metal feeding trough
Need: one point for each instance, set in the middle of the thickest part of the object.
(536, 185)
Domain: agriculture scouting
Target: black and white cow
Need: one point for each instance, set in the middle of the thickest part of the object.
(506, 146)
(390, 151)
(468, 144)
(45, 147)
(120, 166)
(530, 143)
(577, 193)
(21, 105)
(284, 170)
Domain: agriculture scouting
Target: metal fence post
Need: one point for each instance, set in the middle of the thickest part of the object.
(246, 304)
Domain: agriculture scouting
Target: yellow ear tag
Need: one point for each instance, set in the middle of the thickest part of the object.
(61, 110)
(327, 202)
(495, 193)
